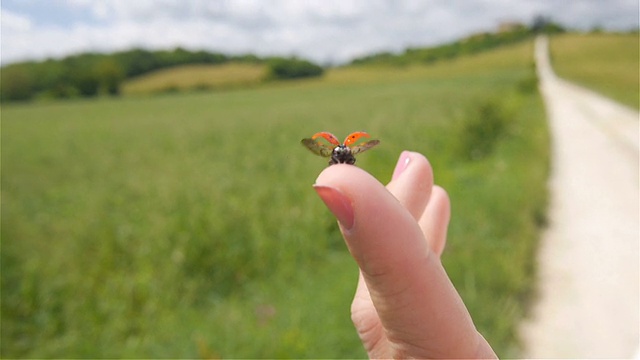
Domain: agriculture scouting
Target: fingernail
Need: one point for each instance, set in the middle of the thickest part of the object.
(402, 164)
(338, 204)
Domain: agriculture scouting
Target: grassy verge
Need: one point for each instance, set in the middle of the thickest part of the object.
(607, 63)
(186, 226)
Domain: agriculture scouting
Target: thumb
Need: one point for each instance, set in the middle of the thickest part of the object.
(420, 310)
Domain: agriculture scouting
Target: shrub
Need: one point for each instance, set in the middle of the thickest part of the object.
(481, 128)
(281, 68)
(17, 84)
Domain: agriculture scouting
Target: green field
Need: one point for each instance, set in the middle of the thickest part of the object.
(605, 62)
(185, 225)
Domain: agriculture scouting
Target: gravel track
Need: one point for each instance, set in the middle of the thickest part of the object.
(588, 276)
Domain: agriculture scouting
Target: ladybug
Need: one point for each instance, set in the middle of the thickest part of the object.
(340, 153)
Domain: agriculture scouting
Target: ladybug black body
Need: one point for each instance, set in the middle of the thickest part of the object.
(342, 155)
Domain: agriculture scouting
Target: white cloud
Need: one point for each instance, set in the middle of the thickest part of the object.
(323, 30)
(14, 22)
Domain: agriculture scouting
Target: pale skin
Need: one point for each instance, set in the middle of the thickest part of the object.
(405, 306)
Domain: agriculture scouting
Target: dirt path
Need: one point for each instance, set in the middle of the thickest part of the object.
(588, 260)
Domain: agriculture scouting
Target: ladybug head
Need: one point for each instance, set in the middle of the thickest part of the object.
(341, 150)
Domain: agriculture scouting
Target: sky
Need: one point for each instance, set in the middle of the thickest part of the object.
(324, 31)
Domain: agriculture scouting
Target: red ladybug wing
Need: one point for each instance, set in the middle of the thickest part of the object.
(364, 146)
(353, 137)
(328, 136)
(317, 148)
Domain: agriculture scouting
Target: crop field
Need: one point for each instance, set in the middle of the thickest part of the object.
(196, 78)
(185, 225)
(607, 63)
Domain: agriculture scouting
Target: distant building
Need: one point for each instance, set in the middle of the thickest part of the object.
(510, 26)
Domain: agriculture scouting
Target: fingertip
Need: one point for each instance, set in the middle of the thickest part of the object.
(401, 165)
(414, 160)
(383, 232)
(337, 174)
(338, 203)
(412, 182)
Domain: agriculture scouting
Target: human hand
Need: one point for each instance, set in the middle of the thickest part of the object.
(405, 306)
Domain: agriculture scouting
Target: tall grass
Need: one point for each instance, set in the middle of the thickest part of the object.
(186, 226)
(605, 62)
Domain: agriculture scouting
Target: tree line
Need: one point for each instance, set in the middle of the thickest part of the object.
(92, 74)
(475, 43)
